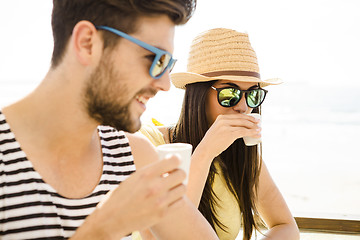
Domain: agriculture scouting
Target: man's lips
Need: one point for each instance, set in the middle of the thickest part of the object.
(144, 96)
(142, 99)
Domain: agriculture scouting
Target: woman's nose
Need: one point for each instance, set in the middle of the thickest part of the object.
(241, 107)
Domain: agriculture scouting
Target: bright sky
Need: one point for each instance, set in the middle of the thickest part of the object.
(314, 41)
(308, 40)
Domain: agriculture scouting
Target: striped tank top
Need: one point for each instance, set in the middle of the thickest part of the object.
(32, 209)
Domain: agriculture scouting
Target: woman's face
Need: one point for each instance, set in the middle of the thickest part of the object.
(213, 108)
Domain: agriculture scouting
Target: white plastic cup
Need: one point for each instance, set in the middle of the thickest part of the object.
(250, 141)
(182, 150)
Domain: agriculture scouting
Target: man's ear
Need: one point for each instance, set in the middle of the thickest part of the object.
(85, 41)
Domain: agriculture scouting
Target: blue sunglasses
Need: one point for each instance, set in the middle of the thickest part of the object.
(163, 60)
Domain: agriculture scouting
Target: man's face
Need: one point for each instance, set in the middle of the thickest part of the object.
(118, 89)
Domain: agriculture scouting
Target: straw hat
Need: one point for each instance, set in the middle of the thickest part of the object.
(221, 54)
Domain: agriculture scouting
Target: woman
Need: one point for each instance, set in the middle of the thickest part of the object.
(228, 180)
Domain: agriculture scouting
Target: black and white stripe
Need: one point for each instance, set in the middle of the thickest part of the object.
(32, 209)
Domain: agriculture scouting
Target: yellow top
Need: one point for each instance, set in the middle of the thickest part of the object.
(228, 211)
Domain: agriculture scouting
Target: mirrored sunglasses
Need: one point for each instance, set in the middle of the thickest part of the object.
(230, 96)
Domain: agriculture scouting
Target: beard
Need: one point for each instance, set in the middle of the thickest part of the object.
(107, 99)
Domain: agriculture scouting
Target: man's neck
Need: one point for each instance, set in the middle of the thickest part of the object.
(53, 117)
(58, 137)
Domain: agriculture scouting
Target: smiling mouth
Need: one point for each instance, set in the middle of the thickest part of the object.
(142, 99)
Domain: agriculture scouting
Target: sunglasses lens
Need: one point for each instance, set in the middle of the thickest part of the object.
(229, 97)
(172, 64)
(161, 64)
(255, 97)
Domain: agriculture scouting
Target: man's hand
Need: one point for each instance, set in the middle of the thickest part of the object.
(140, 201)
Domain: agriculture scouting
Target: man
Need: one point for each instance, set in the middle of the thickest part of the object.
(57, 163)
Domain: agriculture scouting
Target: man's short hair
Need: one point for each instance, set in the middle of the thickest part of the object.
(119, 14)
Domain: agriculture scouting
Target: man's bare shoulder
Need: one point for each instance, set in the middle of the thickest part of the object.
(143, 151)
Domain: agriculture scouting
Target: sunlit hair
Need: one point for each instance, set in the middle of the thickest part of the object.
(239, 164)
(119, 14)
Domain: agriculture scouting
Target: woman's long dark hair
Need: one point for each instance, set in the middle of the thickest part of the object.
(239, 164)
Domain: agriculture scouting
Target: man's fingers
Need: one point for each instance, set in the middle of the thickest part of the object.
(176, 204)
(174, 178)
(164, 166)
(174, 196)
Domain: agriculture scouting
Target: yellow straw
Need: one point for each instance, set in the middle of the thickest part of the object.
(156, 122)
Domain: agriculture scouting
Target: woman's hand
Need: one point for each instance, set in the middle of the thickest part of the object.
(225, 130)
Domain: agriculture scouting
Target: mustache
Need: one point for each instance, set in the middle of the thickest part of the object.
(148, 91)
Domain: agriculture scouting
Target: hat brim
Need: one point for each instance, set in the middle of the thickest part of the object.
(181, 79)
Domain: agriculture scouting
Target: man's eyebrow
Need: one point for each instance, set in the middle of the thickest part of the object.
(157, 48)
(161, 48)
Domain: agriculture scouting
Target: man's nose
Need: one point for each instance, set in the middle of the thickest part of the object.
(162, 83)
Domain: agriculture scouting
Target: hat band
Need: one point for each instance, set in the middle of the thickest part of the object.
(231, 73)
